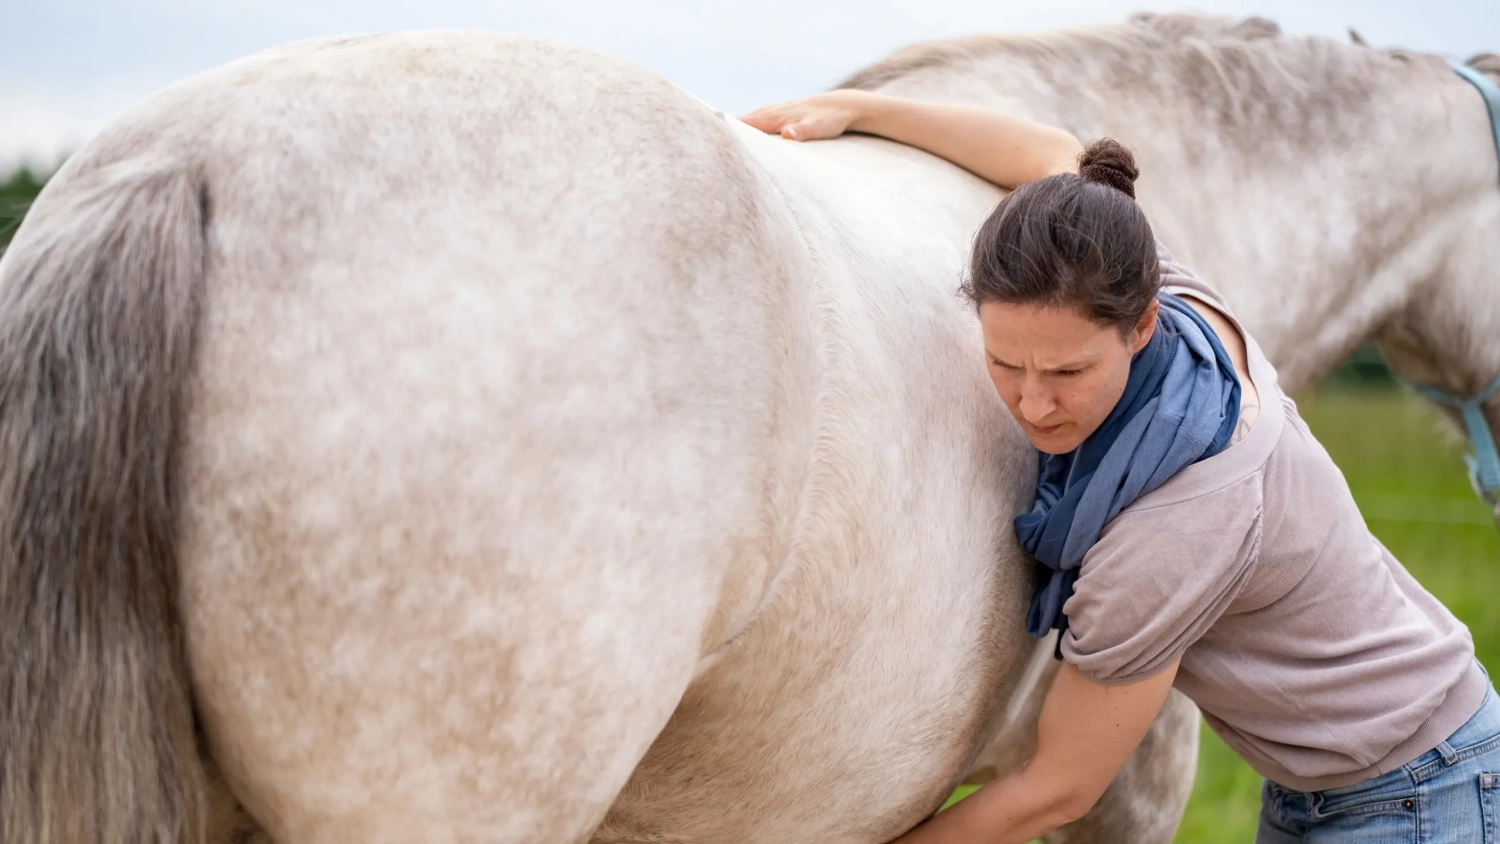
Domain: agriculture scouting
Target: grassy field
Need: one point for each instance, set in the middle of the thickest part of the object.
(1407, 472)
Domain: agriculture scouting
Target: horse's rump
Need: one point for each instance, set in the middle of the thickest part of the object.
(491, 437)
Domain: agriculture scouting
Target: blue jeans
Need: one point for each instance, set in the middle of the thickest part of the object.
(1448, 794)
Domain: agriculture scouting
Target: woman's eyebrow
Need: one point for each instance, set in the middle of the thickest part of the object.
(1060, 368)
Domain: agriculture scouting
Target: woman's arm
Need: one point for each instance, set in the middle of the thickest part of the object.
(997, 147)
(1085, 734)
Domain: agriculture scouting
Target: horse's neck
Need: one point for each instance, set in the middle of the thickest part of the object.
(1312, 212)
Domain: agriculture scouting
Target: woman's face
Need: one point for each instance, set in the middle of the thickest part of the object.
(1058, 371)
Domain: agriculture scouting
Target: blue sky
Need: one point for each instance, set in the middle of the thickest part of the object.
(68, 66)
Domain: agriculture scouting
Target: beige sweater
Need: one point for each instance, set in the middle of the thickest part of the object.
(1310, 650)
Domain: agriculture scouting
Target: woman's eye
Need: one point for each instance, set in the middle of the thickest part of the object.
(1068, 373)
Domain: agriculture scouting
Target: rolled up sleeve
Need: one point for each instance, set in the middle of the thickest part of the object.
(1158, 578)
(1177, 279)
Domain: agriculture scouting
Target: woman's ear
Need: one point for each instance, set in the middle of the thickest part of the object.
(1145, 328)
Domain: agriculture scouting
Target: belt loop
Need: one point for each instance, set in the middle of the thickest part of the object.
(1447, 752)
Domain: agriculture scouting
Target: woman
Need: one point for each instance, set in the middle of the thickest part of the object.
(1193, 532)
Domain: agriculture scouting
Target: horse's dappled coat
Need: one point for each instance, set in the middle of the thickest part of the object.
(562, 459)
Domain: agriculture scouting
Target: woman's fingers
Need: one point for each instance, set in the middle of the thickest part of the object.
(763, 120)
(815, 127)
(769, 120)
(797, 126)
(809, 119)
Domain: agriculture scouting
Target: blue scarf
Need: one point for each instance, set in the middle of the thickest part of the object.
(1181, 404)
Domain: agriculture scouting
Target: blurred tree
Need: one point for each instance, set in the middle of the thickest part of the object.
(1363, 368)
(16, 194)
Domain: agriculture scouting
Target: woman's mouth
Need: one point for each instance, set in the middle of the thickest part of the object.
(1046, 429)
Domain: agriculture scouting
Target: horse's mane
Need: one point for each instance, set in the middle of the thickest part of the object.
(1251, 44)
(1487, 63)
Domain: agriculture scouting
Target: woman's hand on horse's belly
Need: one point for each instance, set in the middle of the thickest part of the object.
(1084, 736)
(818, 117)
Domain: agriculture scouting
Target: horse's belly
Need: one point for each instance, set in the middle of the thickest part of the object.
(877, 660)
(882, 652)
(847, 713)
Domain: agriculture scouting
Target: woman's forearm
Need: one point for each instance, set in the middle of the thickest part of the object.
(999, 148)
(1012, 810)
(1085, 733)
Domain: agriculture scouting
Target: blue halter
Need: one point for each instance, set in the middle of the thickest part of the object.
(1484, 464)
(1488, 91)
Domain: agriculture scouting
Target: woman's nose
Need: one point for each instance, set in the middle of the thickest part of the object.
(1036, 402)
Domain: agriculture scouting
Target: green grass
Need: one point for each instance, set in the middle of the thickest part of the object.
(1407, 473)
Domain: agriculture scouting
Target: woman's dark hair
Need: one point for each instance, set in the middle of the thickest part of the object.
(1074, 239)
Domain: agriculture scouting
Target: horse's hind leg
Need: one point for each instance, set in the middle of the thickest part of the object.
(1145, 802)
(228, 822)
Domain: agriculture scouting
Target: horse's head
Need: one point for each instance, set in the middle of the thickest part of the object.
(1447, 340)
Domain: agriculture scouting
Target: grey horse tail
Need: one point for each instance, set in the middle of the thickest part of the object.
(100, 295)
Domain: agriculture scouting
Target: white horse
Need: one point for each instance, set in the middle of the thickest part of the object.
(457, 437)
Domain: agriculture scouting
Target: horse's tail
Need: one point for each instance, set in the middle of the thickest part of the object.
(99, 305)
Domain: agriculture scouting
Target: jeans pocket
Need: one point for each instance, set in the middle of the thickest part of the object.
(1392, 793)
(1489, 806)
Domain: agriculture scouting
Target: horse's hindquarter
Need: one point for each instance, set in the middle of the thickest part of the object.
(850, 706)
(522, 403)
(495, 417)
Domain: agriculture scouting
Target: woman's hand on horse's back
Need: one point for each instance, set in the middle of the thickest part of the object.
(999, 147)
(818, 117)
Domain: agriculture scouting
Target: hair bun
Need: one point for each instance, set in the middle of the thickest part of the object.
(1108, 162)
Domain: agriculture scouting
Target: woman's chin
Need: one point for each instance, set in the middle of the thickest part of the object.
(1053, 442)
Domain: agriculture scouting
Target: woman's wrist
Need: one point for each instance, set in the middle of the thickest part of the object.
(1002, 148)
(870, 110)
